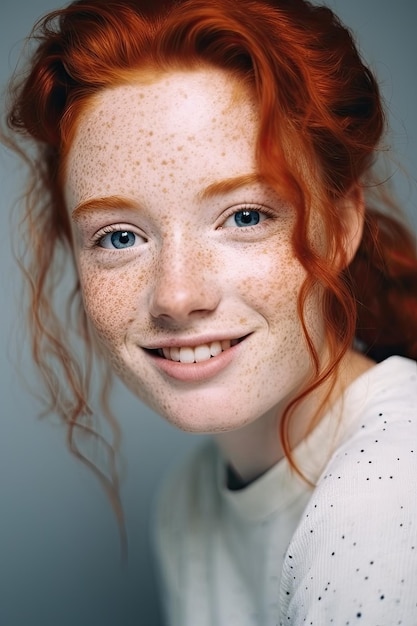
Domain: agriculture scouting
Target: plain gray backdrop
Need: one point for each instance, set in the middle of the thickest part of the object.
(59, 549)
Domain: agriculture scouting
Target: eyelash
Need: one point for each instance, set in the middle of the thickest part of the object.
(268, 213)
(108, 230)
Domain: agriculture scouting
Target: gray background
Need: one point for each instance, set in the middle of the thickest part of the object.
(59, 550)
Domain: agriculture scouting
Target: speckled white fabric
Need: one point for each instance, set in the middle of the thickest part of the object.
(278, 552)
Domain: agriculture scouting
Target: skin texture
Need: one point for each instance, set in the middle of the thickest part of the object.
(143, 161)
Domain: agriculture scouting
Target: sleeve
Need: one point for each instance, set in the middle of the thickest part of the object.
(353, 557)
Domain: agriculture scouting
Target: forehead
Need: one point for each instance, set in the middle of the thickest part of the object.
(197, 124)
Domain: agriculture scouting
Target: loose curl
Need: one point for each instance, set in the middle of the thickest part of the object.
(321, 120)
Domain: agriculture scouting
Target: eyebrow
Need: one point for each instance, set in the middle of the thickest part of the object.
(103, 204)
(119, 202)
(229, 184)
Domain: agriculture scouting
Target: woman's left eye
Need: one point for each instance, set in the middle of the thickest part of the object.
(245, 218)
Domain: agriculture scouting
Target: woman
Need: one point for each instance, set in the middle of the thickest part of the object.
(204, 165)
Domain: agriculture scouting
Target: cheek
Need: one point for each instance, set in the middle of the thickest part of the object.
(110, 301)
(271, 279)
(270, 284)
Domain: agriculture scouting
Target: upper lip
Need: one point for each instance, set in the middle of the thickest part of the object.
(192, 342)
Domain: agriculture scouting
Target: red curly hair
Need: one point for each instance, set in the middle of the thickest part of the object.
(321, 120)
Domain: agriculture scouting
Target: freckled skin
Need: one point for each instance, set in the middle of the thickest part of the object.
(194, 272)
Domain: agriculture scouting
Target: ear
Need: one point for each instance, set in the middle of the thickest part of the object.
(352, 211)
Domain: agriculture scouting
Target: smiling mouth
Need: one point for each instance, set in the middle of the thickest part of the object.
(196, 354)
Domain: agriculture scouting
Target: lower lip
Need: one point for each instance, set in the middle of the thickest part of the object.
(196, 372)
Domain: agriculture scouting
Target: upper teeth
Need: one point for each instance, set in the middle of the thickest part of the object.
(198, 353)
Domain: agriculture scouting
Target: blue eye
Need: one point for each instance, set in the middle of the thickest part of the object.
(119, 239)
(247, 218)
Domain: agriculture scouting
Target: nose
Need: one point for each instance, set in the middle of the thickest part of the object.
(185, 284)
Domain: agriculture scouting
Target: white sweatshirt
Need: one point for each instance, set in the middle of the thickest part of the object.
(279, 552)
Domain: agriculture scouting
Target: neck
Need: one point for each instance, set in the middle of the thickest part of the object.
(252, 450)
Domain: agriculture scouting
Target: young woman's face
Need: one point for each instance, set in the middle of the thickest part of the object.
(184, 255)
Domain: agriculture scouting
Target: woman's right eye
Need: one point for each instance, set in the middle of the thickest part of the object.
(119, 240)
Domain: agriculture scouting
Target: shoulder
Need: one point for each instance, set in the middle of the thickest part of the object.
(378, 442)
(379, 447)
(354, 553)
